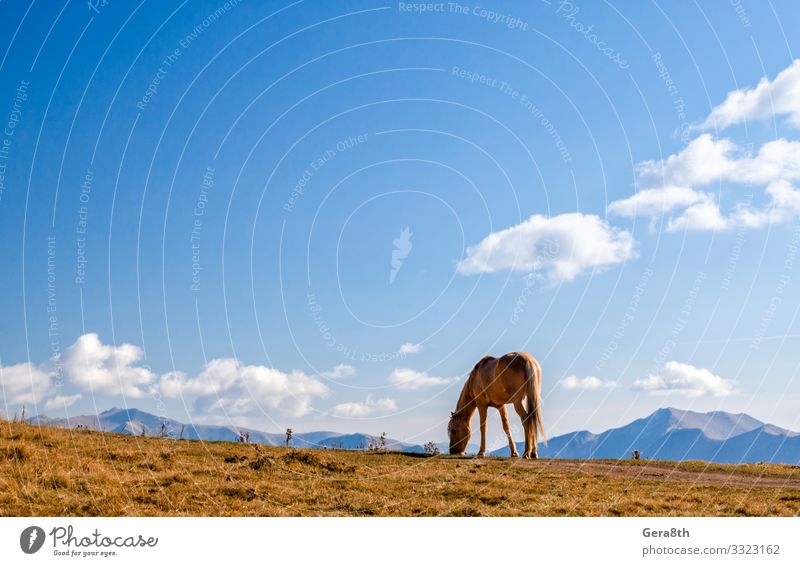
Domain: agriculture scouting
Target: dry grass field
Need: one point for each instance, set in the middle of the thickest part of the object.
(55, 472)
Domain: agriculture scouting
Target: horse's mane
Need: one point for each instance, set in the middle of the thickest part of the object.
(465, 399)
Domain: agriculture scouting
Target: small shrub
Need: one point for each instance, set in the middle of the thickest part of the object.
(432, 449)
(378, 444)
(15, 453)
(300, 457)
(56, 482)
(493, 499)
(247, 494)
(339, 467)
(262, 462)
(309, 459)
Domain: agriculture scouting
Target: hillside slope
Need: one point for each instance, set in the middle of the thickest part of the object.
(58, 472)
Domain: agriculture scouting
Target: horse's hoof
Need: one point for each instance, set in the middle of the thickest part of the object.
(526, 457)
(481, 454)
(515, 455)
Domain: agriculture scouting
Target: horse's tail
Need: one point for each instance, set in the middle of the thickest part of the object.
(533, 391)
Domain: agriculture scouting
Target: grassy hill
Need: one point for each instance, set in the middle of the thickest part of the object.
(57, 472)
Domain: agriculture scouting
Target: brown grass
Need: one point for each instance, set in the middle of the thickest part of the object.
(53, 472)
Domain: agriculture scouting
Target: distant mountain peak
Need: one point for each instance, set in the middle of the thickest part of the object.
(670, 433)
(717, 425)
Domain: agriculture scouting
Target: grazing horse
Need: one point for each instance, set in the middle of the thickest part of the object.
(495, 382)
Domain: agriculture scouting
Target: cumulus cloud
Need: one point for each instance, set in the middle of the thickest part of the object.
(409, 379)
(339, 371)
(671, 185)
(25, 383)
(62, 401)
(589, 383)
(560, 247)
(703, 160)
(93, 366)
(226, 385)
(410, 348)
(704, 215)
(707, 159)
(783, 206)
(684, 379)
(655, 202)
(88, 365)
(780, 96)
(364, 409)
(222, 386)
(172, 384)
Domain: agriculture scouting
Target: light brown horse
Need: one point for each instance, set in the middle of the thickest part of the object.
(495, 382)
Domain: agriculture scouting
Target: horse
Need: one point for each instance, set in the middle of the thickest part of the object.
(495, 382)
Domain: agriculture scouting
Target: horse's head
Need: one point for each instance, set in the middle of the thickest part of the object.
(459, 431)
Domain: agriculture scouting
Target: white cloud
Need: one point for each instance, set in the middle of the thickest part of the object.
(687, 380)
(655, 202)
(405, 378)
(25, 383)
(706, 160)
(172, 384)
(589, 383)
(226, 385)
(562, 247)
(223, 386)
(784, 205)
(94, 366)
(340, 371)
(410, 348)
(62, 401)
(776, 160)
(364, 409)
(701, 216)
(769, 98)
(703, 160)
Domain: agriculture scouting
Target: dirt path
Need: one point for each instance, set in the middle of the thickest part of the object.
(666, 472)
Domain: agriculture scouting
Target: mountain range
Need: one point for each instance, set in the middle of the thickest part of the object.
(666, 434)
(135, 422)
(674, 434)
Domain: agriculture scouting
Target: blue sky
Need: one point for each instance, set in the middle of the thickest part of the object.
(321, 215)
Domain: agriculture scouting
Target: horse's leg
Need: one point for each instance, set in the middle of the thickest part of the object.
(507, 428)
(482, 411)
(523, 415)
(534, 443)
